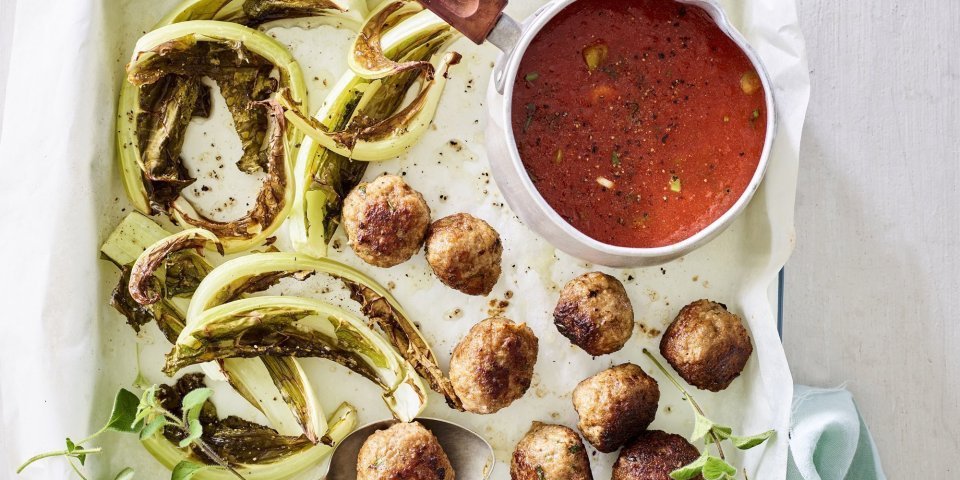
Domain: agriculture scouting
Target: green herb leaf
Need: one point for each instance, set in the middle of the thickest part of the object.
(71, 448)
(195, 432)
(193, 401)
(748, 442)
(721, 431)
(615, 159)
(575, 448)
(186, 470)
(125, 474)
(124, 411)
(155, 425)
(146, 407)
(701, 427)
(531, 77)
(717, 469)
(690, 470)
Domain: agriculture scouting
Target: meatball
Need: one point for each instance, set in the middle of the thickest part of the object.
(707, 345)
(493, 364)
(594, 313)
(405, 451)
(653, 455)
(615, 405)
(550, 451)
(464, 252)
(385, 220)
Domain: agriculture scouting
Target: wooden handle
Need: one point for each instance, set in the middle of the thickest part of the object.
(473, 18)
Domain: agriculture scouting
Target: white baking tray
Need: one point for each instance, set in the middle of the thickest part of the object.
(65, 352)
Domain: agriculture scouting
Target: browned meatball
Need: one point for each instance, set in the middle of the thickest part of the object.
(493, 364)
(595, 313)
(386, 221)
(653, 455)
(405, 451)
(707, 345)
(464, 252)
(550, 451)
(615, 405)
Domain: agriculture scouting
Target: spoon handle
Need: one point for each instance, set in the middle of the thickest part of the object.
(473, 18)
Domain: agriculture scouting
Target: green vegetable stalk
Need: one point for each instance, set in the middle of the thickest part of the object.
(385, 139)
(238, 276)
(300, 327)
(156, 286)
(324, 177)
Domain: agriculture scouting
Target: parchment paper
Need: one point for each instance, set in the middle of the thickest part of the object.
(64, 352)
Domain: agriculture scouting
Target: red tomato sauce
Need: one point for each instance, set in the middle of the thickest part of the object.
(639, 121)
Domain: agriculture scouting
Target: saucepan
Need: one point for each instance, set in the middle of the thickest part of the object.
(484, 20)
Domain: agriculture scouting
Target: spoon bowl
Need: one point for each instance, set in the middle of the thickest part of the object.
(470, 455)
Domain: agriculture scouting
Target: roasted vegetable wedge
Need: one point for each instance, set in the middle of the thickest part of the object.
(385, 139)
(244, 274)
(183, 271)
(165, 72)
(246, 12)
(300, 327)
(170, 261)
(367, 58)
(324, 177)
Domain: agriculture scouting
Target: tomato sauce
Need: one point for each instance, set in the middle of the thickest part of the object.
(639, 121)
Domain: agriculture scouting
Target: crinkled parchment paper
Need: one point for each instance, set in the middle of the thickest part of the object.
(64, 352)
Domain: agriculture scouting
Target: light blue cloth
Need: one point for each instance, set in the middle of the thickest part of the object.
(828, 439)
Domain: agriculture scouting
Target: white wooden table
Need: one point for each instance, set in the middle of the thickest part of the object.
(872, 291)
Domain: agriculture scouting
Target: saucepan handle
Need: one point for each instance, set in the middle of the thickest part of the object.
(473, 18)
(481, 20)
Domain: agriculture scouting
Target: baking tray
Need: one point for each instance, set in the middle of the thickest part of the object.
(70, 352)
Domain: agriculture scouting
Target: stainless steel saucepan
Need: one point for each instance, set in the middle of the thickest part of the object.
(484, 20)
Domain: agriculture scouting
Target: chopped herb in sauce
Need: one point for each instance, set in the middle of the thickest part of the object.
(610, 70)
(750, 83)
(594, 55)
(675, 184)
(531, 109)
(531, 77)
(615, 159)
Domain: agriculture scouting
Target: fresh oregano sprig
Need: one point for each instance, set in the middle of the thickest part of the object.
(121, 420)
(145, 416)
(153, 418)
(709, 466)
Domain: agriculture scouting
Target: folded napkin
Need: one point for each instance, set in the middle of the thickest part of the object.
(828, 439)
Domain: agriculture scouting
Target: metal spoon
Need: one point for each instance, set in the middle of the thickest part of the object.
(470, 455)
